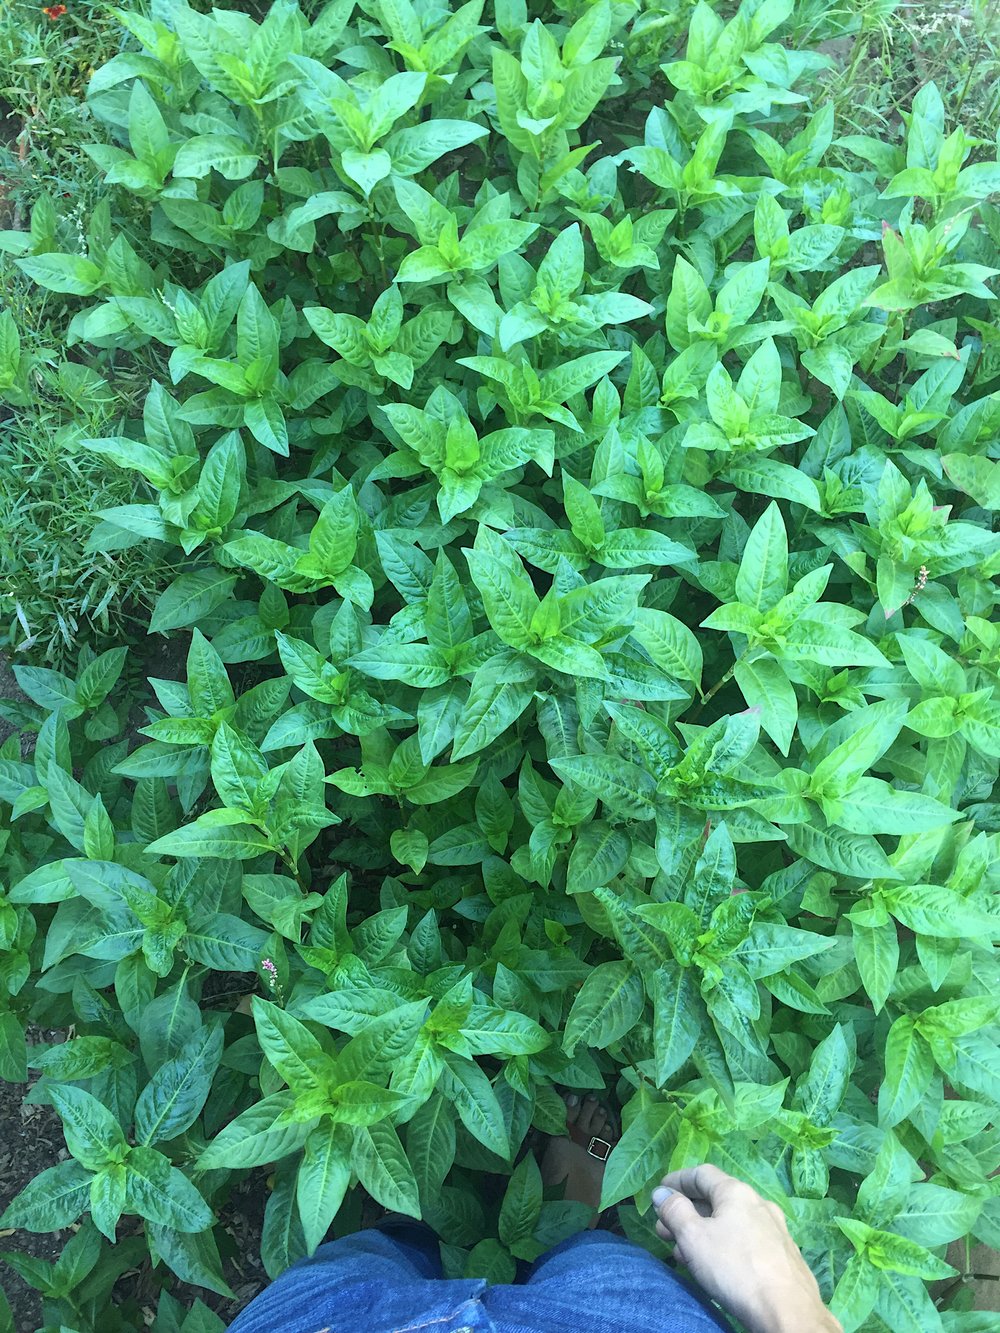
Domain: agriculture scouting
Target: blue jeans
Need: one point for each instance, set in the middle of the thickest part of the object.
(389, 1281)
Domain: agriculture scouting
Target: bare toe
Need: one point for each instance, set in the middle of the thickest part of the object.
(589, 1112)
(574, 1108)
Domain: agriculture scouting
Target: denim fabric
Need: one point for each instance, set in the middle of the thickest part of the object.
(389, 1281)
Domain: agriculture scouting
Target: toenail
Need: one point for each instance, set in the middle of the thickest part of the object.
(572, 1099)
(661, 1194)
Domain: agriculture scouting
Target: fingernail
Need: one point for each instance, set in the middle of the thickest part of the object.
(572, 1099)
(661, 1194)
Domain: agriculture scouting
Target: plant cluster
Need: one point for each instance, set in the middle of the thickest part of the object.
(579, 464)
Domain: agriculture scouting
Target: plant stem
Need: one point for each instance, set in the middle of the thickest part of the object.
(293, 867)
(723, 680)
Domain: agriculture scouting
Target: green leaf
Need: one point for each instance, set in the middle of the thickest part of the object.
(771, 947)
(623, 787)
(382, 1168)
(763, 573)
(333, 539)
(599, 853)
(508, 596)
(820, 1093)
(62, 273)
(322, 1180)
(677, 1019)
(854, 1296)
(53, 1199)
(931, 910)
(630, 547)
(237, 768)
(639, 1156)
(430, 1145)
(147, 132)
(412, 663)
(765, 687)
(378, 1048)
(522, 1202)
(93, 1135)
(201, 838)
(608, 1005)
(224, 153)
(670, 644)
(226, 943)
(366, 169)
(108, 1199)
(173, 1099)
(689, 303)
(49, 688)
(847, 853)
(416, 147)
(256, 1136)
(207, 678)
(493, 705)
(978, 477)
(876, 952)
(189, 598)
(469, 1089)
(13, 1049)
(193, 1256)
(289, 1046)
(162, 1193)
(909, 1066)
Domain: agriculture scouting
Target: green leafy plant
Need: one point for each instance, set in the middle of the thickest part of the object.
(581, 494)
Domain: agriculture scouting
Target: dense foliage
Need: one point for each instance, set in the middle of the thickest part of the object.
(578, 462)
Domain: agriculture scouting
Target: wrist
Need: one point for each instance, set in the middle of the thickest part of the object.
(798, 1316)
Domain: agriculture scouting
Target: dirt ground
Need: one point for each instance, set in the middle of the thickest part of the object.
(8, 690)
(30, 1140)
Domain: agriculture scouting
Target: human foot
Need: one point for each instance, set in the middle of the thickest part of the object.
(568, 1159)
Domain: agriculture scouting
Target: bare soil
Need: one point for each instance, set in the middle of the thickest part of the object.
(30, 1141)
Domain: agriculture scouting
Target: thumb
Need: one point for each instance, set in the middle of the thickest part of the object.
(676, 1211)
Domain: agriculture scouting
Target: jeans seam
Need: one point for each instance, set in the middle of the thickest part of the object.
(438, 1319)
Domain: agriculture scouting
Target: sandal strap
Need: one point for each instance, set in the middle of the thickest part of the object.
(595, 1146)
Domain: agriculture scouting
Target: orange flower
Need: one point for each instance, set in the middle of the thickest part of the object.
(53, 12)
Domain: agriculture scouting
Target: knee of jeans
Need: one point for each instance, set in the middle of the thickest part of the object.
(376, 1251)
(590, 1247)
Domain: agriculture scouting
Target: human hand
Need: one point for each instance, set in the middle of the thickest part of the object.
(736, 1245)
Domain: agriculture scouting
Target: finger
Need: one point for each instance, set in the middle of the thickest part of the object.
(676, 1213)
(705, 1182)
(702, 1207)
